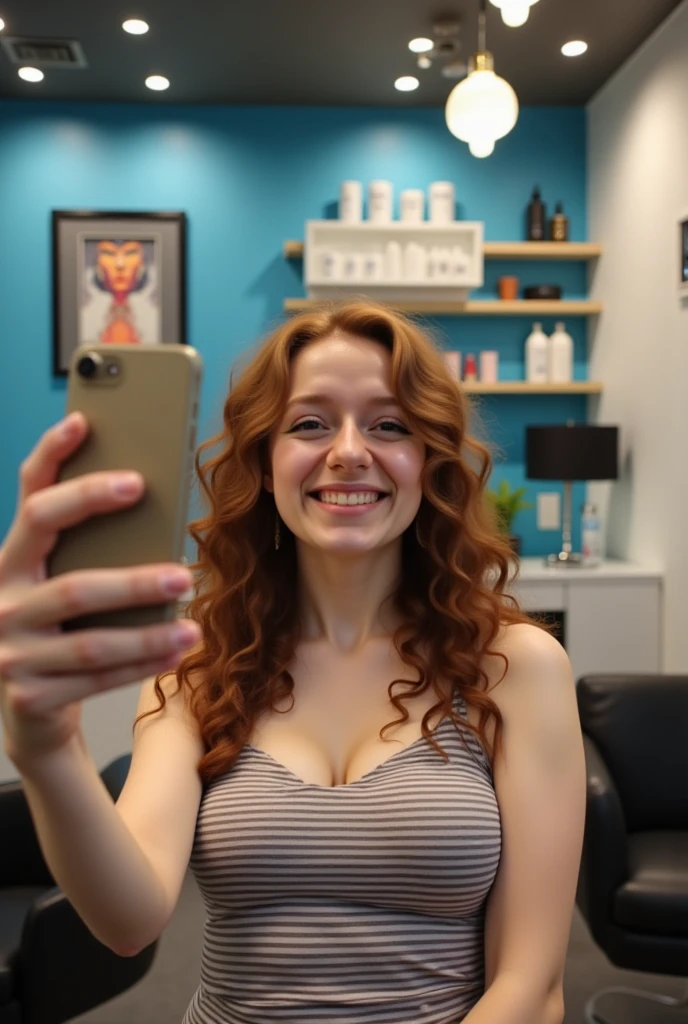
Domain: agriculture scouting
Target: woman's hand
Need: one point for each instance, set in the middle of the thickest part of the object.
(45, 673)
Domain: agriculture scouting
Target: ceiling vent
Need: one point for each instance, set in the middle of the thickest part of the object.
(44, 53)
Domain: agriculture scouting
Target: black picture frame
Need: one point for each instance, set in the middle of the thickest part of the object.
(117, 276)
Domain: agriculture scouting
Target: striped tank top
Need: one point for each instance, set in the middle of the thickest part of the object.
(355, 904)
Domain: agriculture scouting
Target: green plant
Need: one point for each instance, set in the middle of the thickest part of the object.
(506, 504)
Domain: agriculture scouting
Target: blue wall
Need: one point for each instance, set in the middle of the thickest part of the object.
(248, 178)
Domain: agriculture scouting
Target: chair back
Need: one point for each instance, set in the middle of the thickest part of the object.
(639, 725)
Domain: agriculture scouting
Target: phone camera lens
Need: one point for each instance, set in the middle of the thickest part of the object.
(87, 367)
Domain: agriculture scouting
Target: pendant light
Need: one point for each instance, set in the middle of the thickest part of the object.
(514, 12)
(484, 107)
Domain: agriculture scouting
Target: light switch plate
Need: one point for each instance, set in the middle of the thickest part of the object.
(549, 511)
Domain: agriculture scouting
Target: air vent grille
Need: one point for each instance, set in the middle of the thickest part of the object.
(44, 53)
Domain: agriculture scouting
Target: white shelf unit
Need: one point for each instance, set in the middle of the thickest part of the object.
(327, 236)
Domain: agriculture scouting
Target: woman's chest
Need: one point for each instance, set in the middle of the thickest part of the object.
(329, 735)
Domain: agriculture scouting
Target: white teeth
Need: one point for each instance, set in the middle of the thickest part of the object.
(341, 498)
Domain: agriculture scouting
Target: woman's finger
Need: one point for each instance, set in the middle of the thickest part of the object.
(46, 512)
(41, 695)
(40, 468)
(89, 590)
(94, 651)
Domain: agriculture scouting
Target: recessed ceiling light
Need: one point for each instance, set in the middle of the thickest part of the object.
(421, 45)
(157, 82)
(31, 74)
(407, 83)
(135, 27)
(575, 48)
(2, 24)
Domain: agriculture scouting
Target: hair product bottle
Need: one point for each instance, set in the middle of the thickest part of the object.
(560, 355)
(591, 535)
(537, 359)
(471, 370)
(537, 218)
(559, 226)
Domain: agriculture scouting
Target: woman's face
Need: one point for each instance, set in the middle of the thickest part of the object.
(355, 433)
(120, 264)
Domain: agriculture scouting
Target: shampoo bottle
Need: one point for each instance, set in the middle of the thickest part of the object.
(537, 349)
(560, 355)
(537, 218)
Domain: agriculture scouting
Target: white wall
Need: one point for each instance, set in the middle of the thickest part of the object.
(637, 191)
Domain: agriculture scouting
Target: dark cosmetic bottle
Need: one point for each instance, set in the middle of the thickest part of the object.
(537, 218)
(559, 228)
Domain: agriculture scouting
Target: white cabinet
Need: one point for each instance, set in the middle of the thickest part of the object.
(612, 614)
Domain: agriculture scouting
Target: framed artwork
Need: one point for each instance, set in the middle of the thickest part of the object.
(683, 273)
(118, 278)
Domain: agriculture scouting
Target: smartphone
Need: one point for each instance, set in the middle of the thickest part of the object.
(141, 405)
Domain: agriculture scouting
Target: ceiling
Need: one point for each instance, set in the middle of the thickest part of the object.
(334, 52)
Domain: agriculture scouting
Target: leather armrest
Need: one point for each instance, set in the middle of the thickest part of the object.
(64, 970)
(21, 858)
(604, 864)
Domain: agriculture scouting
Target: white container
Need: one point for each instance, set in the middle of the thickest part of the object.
(591, 535)
(331, 265)
(352, 266)
(459, 262)
(415, 262)
(380, 201)
(412, 205)
(433, 265)
(489, 366)
(453, 363)
(560, 355)
(351, 201)
(373, 268)
(393, 261)
(442, 202)
(537, 356)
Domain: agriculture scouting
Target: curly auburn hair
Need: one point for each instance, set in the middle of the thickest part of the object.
(455, 562)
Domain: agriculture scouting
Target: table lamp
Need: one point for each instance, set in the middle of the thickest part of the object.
(568, 453)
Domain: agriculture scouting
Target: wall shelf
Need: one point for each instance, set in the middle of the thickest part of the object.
(505, 250)
(523, 387)
(497, 307)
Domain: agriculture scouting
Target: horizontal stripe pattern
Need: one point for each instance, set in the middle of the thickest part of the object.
(356, 904)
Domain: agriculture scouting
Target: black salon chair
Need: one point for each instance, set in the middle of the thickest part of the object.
(633, 883)
(51, 967)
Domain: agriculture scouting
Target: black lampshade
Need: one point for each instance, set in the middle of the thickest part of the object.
(575, 452)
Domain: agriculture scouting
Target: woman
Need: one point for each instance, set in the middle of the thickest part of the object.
(376, 838)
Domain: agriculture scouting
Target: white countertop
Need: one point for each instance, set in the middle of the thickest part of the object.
(534, 569)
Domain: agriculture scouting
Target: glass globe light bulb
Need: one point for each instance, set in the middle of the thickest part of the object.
(482, 147)
(515, 13)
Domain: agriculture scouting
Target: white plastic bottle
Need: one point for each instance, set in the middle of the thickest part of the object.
(560, 355)
(591, 535)
(393, 262)
(537, 353)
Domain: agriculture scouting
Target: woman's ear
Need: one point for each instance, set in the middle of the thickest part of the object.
(267, 483)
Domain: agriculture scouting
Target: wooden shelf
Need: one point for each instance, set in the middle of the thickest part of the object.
(497, 307)
(524, 387)
(541, 250)
(506, 250)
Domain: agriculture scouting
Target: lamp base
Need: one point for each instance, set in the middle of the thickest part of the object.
(570, 559)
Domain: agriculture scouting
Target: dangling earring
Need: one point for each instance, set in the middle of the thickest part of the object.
(277, 531)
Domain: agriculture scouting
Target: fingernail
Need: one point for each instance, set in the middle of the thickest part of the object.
(127, 486)
(68, 428)
(185, 633)
(175, 582)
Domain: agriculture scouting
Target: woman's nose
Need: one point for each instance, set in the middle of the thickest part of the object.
(349, 443)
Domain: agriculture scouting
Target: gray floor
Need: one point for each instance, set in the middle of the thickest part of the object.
(163, 995)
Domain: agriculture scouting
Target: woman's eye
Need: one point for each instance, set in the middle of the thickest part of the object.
(392, 423)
